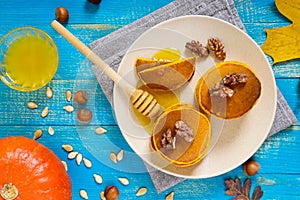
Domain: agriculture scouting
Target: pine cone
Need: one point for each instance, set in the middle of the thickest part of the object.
(217, 47)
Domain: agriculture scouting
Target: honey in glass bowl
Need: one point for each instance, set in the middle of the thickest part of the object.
(28, 59)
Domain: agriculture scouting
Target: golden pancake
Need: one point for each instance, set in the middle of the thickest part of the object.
(184, 150)
(244, 95)
(164, 76)
(147, 63)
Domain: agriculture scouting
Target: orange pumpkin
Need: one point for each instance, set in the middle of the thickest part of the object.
(29, 170)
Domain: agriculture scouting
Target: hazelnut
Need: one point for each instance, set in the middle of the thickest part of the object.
(84, 115)
(95, 1)
(80, 97)
(62, 14)
(111, 193)
(251, 167)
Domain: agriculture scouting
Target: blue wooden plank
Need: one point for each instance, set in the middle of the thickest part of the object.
(15, 111)
(257, 11)
(81, 12)
(275, 174)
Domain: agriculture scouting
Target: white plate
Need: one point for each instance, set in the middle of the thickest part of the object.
(239, 139)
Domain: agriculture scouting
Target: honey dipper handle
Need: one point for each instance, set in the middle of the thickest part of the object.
(86, 51)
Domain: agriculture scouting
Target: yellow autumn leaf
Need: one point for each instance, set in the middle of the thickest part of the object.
(282, 43)
(289, 8)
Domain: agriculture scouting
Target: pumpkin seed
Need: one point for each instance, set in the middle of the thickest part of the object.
(49, 93)
(45, 112)
(83, 194)
(50, 130)
(32, 105)
(98, 178)
(72, 154)
(100, 130)
(68, 108)
(67, 147)
(87, 163)
(141, 191)
(124, 181)
(170, 196)
(120, 155)
(68, 95)
(37, 134)
(102, 197)
(113, 157)
(79, 158)
(65, 164)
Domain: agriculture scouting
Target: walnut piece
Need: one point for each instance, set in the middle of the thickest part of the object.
(197, 48)
(234, 79)
(217, 47)
(224, 89)
(167, 140)
(221, 90)
(183, 130)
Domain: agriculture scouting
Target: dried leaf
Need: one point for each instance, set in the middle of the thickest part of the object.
(257, 193)
(289, 8)
(282, 43)
(247, 187)
(235, 188)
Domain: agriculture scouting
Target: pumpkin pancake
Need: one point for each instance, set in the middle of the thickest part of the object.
(164, 76)
(147, 63)
(181, 135)
(228, 90)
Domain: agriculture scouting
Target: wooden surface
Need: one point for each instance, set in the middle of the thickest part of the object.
(279, 176)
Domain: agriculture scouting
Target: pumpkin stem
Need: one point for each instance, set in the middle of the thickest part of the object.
(9, 191)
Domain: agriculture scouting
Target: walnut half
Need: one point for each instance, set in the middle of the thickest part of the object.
(167, 140)
(183, 130)
(220, 90)
(197, 48)
(224, 88)
(234, 79)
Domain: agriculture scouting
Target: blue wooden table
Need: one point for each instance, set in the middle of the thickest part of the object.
(279, 175)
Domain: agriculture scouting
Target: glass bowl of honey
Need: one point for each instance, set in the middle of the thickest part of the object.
(28, 58)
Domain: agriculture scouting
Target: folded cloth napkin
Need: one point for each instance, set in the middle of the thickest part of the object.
(112, 48)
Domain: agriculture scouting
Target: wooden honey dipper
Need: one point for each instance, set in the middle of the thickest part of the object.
(144, 102)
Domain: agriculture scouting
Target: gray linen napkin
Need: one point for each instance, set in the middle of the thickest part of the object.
(112, 48)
